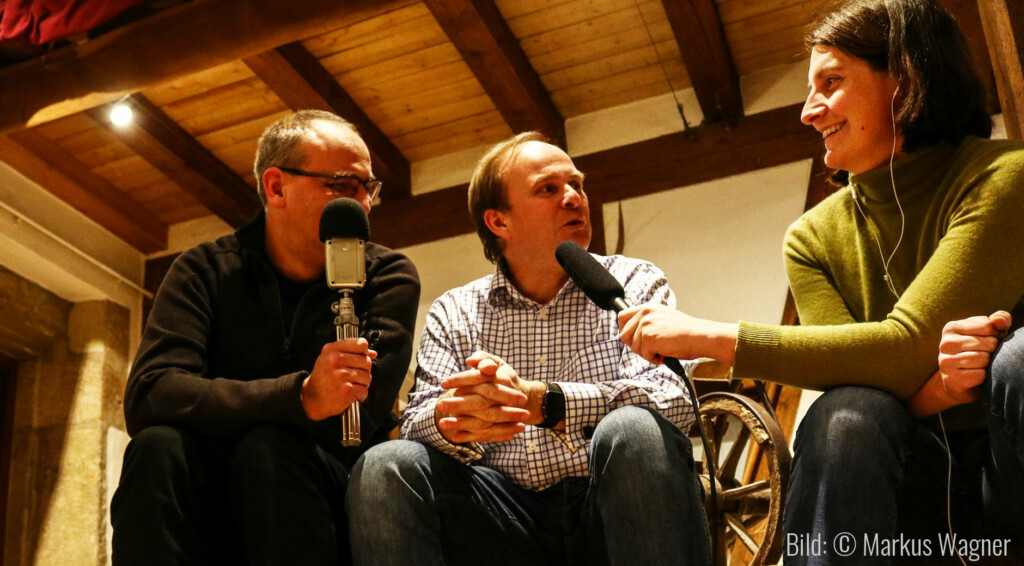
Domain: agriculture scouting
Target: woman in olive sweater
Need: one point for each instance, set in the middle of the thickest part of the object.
(926, 229)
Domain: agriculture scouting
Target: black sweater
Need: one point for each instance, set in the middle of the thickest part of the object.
(217, 356)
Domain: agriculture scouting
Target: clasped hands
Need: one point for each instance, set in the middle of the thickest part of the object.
(487, 403)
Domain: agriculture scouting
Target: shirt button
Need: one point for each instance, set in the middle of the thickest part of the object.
(543, 315)
(542, 360)
(531, 446)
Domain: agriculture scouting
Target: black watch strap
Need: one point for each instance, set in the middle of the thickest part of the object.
(553, 406)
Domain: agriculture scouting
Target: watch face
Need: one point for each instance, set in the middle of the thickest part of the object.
(553, 407)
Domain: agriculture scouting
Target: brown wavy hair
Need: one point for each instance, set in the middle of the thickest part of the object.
(918, 43)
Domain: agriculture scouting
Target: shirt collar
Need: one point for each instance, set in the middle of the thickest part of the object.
(502, 293)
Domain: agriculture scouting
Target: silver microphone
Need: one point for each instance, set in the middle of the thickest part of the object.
(344, 230)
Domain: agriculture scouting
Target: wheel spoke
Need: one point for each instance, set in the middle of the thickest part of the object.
(711, 450)
(721, 428)
(732, 458)
(757, 490)
(755, 523)
(741, 532)
(754, 508)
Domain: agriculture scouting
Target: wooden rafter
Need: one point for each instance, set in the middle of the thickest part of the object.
(819, 185)
(968, 18)
(492, 52)
(701, 40)
(706, 153)
(1003, 21)
(52, 168)
(422, 218)
(175, 153)
(176, 42)
(712, 151)
(597, 240)
(296, 76)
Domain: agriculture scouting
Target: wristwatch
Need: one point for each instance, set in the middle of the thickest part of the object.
(553, 406)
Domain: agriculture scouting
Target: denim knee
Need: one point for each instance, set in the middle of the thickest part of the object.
(850, 423)
(381, 473)
(1004, 389)
(1003, 395)
(622, 432)
(633, 439)
(647, 493)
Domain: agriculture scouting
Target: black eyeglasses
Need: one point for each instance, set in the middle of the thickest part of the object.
(342, 184)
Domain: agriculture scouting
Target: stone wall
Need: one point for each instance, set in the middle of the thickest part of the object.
(72, 365)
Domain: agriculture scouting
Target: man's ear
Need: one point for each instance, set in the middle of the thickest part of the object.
(495, 221)
(272, 187)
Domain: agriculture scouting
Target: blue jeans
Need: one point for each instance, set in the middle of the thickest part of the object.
(862, 465)
(642, 504)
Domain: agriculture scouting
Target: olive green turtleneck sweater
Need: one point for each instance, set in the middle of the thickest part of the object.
(962, 255)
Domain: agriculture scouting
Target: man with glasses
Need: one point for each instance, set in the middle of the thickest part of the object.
(534, 435)
(232, 401)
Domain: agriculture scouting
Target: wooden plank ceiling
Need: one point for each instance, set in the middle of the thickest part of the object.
(421, 79)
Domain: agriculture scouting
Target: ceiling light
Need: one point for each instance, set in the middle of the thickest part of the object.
(121, 114)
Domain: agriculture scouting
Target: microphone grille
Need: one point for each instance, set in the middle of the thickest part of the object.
(344, 218)
(595, 281)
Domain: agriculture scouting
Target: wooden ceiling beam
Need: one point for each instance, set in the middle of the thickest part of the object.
(1003, 21)
(176, 42)
(175, 153)
(52, 168)
(298, 78)
(705, 153)
(493, 53)
(701, 39)
(969, 19)
(819, 185)
(423, 218)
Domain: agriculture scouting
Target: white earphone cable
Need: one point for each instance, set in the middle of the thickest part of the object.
(892, 288)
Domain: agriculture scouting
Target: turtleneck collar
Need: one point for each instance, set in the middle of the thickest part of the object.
(924, 167)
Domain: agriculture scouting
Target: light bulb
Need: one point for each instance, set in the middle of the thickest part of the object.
(121, 115)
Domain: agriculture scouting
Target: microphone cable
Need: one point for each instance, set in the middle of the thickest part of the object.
(674, 365)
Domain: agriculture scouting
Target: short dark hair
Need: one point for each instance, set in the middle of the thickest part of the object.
(280, 144)
(920, 45)
(487, 189)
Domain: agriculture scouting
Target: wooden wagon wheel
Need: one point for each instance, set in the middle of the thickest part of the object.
(749, 516)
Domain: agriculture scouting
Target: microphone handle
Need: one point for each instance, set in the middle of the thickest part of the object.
(347, 325)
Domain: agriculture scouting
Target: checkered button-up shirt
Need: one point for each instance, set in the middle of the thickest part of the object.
(569, 341)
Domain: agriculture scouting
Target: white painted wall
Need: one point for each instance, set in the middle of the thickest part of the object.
(719, 242)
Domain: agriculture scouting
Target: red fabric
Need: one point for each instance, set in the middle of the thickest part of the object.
(43, 21)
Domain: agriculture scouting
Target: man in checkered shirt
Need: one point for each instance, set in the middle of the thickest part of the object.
(533, 435)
